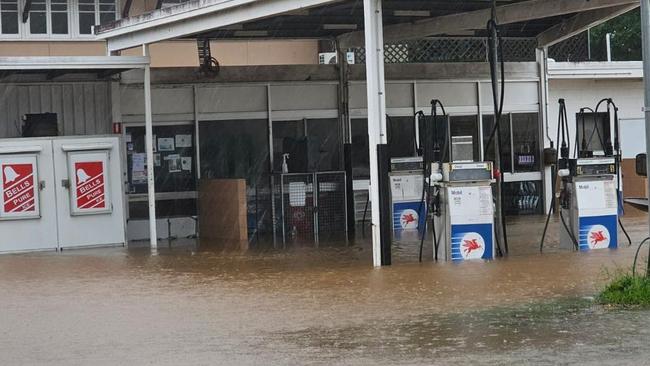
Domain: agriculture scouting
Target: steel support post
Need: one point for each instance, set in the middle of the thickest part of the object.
(148, 126)
(375, 87)
(645, 33)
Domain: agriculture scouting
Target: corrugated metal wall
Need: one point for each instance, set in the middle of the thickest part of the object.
(82, 108)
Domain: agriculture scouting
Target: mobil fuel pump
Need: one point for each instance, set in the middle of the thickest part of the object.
(408, 211)
(461, 201)
(589, 197)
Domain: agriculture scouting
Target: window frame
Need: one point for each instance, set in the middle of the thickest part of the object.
(17, 35)
(24, 31)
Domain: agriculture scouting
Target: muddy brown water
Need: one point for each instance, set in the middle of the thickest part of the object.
(183, 306)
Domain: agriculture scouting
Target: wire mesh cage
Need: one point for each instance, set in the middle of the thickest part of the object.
(297, 192)
(309, 207)
(332, 208)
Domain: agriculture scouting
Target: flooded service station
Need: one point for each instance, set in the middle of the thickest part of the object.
(445, 183)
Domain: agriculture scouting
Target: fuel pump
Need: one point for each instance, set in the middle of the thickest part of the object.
(461, 202)
(589, 195)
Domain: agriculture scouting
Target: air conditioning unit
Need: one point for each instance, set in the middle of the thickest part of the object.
(329, 58)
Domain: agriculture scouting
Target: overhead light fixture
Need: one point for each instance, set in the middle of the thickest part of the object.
(251, 33)
(411, 13)
(340, 26)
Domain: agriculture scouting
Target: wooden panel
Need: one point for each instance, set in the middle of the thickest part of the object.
(634, 186)
(222, 214)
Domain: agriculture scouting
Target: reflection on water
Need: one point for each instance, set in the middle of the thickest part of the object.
(304, 305)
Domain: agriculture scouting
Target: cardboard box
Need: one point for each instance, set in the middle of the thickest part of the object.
(223, 214)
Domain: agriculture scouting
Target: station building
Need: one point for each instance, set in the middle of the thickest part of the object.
(239, 90)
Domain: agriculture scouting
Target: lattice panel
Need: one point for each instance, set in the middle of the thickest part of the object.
(474, 49)
(574, 49)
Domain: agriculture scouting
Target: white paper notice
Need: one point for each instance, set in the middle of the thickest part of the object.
(174, 163)
(183, 140)
(297, 194)
(138, 168)
(186, 163)
(166, 144)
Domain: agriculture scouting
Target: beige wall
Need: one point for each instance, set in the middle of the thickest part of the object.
(182, 53)
(60, 48)
(233, 53)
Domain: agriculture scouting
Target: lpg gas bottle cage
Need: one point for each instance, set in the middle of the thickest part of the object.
(61, 192)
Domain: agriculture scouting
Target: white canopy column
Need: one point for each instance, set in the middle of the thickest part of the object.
(148, 136)
(376, 109)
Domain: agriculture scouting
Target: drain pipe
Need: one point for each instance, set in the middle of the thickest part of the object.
(645, 33)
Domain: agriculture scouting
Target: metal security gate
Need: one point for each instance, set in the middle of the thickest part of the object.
(312, 207)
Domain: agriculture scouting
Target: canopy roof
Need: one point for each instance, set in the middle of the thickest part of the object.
(549, 20)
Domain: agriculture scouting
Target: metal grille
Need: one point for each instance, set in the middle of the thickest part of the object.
(475, 49)
(298, 207)
(331, 200)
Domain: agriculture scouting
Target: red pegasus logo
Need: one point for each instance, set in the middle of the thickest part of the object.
(470, 246)
(408, 218)
(597, 237)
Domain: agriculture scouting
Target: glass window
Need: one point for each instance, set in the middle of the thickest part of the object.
(594, 138)
(106, 11)
(438, 132)
(86, 16)
(525, 140)
(401, 136)
(289, 138)
(59, 16)
(235, 149)
(464, 138)
(38, 17)
(523, 198)
(324, 145)
(170, 172)
(9, 16)
(504, 141)
(360, 146)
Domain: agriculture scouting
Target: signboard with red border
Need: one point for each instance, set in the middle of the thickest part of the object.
(88, 175)
(20, 191)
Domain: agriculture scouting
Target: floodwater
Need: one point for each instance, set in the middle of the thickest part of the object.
(182, 306)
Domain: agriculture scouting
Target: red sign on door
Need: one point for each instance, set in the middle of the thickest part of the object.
(18, 188)
(90, 185)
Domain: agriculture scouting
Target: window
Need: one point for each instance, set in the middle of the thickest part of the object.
(313, 145)
(59, 16)
(38, 17)
(464, 127)
(590, 138)
(427, 131)
(55, 18)
(360, 146)
(519, 142)
(401, 136)
(505, 147)
(525, 142)
(87, 15)
(9, 16)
